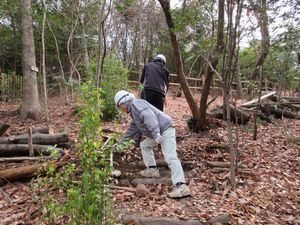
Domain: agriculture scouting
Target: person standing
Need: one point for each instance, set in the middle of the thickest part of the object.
(158, 128)
(155, 80)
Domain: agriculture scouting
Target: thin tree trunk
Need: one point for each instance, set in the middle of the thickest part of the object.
(165, 4)
(140, 65)
(86, 58)
(257, 106)
(60, 64)
(69, 46)
(213, 59)
(262, 18)
(239, 87)
(44, 63)
(100, 40)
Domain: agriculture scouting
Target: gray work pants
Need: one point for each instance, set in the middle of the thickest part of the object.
(168, 146)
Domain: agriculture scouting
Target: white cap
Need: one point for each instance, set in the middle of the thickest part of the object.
(162, 57)
(122, 97)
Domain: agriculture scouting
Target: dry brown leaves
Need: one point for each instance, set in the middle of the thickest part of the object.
(269, 196)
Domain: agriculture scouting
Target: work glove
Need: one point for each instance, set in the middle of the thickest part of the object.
(158, 139)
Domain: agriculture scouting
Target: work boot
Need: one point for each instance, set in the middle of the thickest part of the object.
(150, 172)
(179, 191)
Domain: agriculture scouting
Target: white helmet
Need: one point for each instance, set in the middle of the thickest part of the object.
(162, 57)
(122, 97)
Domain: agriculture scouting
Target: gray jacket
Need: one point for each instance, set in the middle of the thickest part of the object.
(145, 119)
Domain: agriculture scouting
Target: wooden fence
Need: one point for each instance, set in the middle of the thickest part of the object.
(194, 83)
(10, 87)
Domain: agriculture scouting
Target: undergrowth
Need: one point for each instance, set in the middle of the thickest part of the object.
(77, 193)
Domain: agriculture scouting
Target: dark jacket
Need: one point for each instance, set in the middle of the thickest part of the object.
(146, 119)
(155, 77)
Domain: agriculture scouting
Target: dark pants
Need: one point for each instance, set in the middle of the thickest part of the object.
(155, 98)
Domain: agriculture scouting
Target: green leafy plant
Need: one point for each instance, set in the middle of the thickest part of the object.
(78, 194)
(114, 78)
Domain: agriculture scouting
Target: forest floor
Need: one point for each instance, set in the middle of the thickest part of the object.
(267, 194)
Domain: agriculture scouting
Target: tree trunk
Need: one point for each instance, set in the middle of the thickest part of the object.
(44, 63)
(99, 57)
(214, 59)
(30, 107)
(60, 65)
(140, 46)
(165, 4)
(262, 18)
(239, 87)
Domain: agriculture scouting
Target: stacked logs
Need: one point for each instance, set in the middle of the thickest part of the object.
(36, 145)
(267, 107)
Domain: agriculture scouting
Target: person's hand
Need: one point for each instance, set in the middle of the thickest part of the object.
(158, 139)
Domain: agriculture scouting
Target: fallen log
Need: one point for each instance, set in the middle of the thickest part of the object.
(140, 190)
(43, 139)
(21, 159)
(239, 170)
(43, 130)
(20, 172)
(292, 99)
(137, 220)
(159, 163)
(279, 113)
(25, 172)
(7, 150)
(254, 101)
(154, 181)
(222, 219)
(219, 164)
(237, 115)
(130, 219)
(3, 128)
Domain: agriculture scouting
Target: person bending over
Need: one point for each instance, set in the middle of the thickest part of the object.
(158, 128)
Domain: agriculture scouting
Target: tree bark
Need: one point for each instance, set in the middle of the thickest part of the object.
(237, 115)
(7, 150)
(165, 4)
(26, 158)
(254, 101)
(153, 181)
(44, 62)
(130, 219)
(44, 139)
(30, 107)
(19, 172)
(260, 10)
(214, 59)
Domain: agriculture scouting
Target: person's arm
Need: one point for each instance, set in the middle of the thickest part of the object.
(130, 132)
(151, 123)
